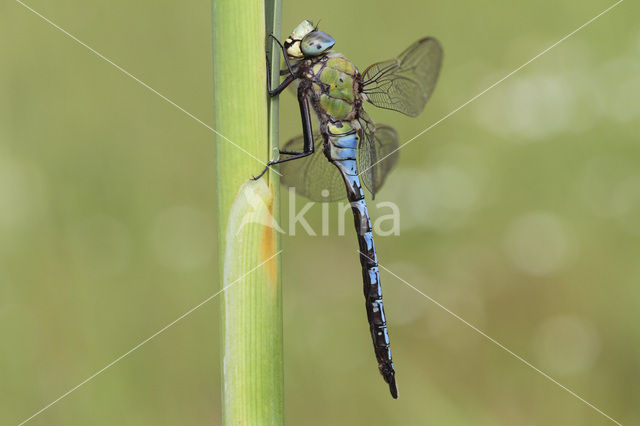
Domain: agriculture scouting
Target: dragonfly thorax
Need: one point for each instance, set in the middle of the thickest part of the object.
(332, 84)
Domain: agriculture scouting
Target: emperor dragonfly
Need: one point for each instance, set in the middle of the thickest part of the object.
(359, 149)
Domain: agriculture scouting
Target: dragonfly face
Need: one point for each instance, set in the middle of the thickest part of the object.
(306, 41)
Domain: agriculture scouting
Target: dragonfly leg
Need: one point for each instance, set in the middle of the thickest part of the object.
(287, 81)
(284, 53)
(281, 160)
(294, 156)
(307, 131)
(275, 92)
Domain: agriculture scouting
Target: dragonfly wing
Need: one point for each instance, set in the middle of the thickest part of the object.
(311, 176)
(405, 83)
(377, 155)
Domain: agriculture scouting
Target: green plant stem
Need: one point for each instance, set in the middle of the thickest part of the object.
(252, 367)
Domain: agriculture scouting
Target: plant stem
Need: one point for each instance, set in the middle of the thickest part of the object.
(252, 367)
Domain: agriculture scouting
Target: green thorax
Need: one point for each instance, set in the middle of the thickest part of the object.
(334, 87)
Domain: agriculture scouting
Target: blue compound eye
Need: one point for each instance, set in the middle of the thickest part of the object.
(316, 43)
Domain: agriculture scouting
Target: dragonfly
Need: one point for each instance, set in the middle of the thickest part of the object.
(358, 150)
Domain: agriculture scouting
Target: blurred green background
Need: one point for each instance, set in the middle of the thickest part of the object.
(520, 213)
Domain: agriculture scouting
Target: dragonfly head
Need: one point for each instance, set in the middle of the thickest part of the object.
(306, 41)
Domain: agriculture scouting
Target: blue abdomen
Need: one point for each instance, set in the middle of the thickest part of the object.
(341, 148)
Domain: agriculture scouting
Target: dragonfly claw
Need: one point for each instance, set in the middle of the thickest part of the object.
(262, 172)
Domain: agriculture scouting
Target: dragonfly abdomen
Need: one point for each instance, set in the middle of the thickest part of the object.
(341, 149)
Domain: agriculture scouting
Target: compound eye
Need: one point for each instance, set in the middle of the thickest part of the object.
(316, 43)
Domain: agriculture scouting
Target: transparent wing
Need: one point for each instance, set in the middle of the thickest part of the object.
(405, 83)
(377, 155)
(311, 175)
